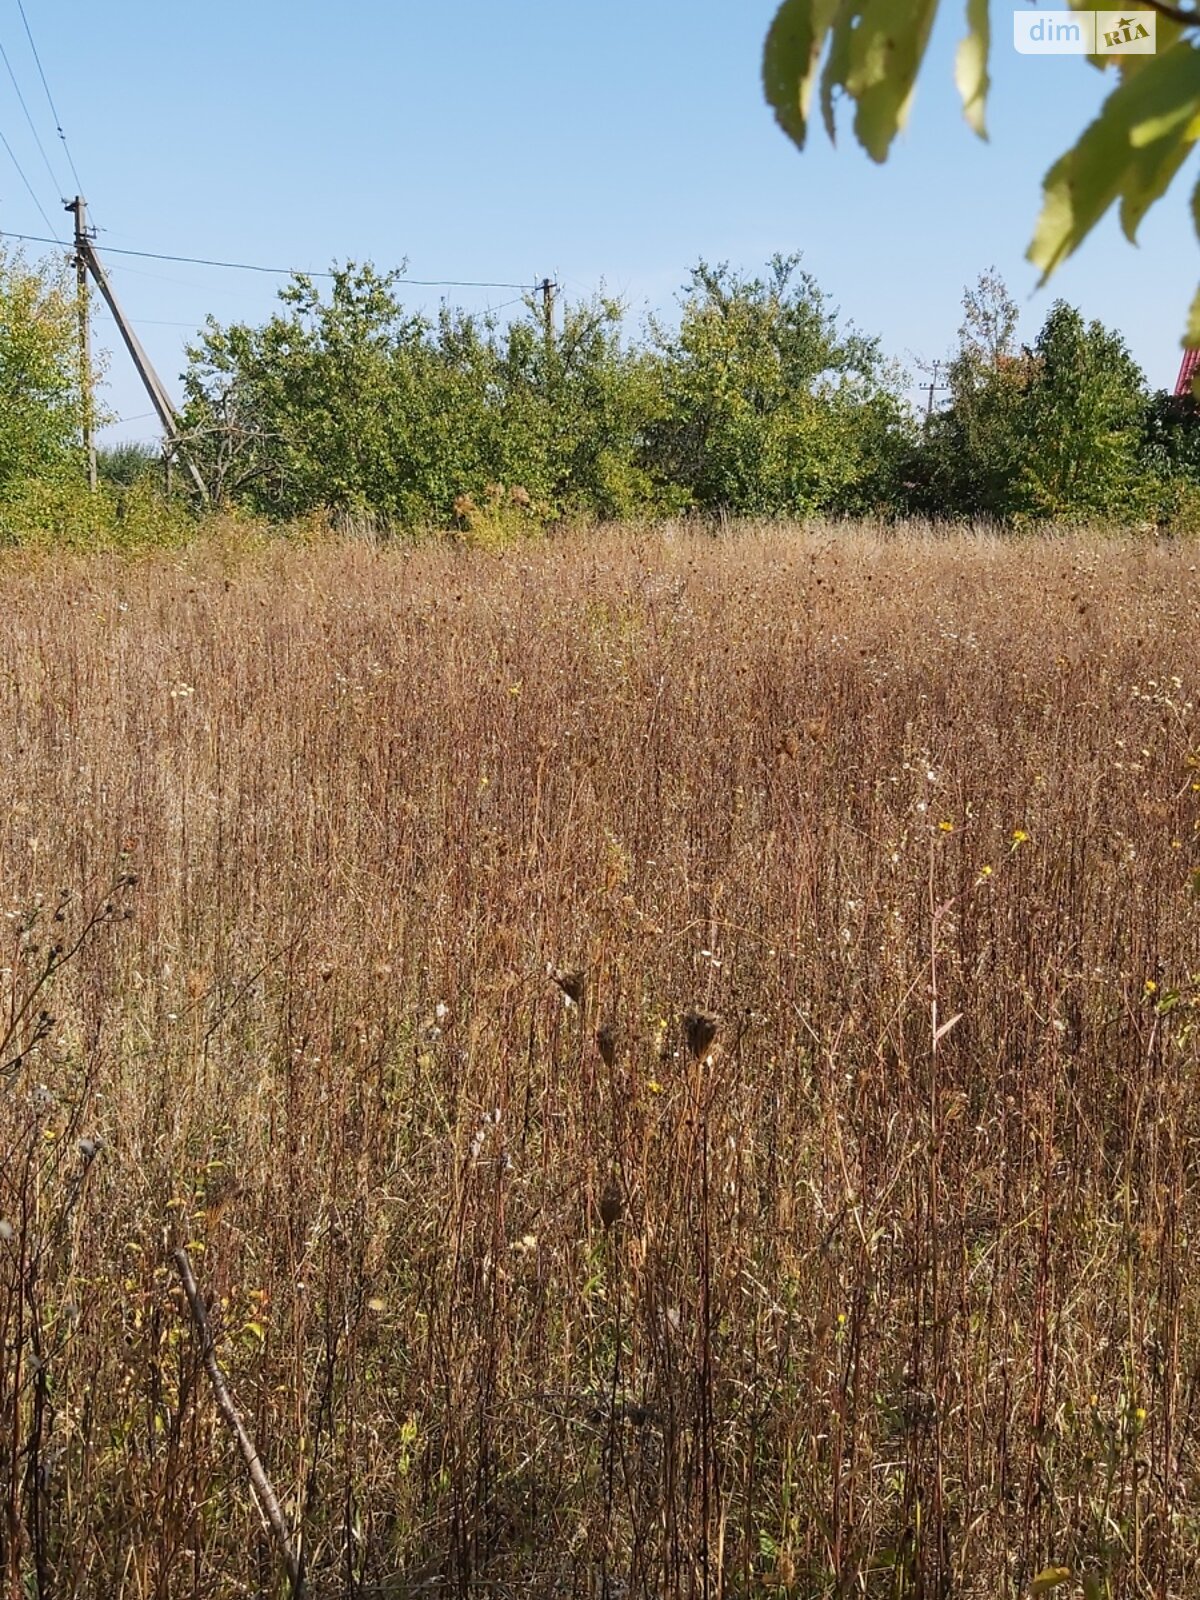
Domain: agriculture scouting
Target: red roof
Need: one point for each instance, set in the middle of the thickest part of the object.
(1187, 371)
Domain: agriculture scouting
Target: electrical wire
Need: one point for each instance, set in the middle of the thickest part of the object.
(158, 322)
(126, 271)
(492, 311)
(279, 272)
(32, 196)
(37, 138)
(50, 101)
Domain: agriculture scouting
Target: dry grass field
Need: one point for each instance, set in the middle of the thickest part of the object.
(885, 1287)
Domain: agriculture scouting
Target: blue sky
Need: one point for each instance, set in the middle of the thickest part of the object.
(604, 146)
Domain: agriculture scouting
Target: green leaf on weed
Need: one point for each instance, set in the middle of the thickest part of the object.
(1050, 1578)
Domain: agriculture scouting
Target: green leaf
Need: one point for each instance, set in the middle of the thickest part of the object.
(971, 66)
(1050, 1578)
(1145, 130)
(885, 54)
(790, 59)
(838, 65)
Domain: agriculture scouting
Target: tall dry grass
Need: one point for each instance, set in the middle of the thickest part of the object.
(889, 1288)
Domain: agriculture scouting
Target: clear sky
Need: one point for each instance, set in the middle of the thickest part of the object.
(603, 145)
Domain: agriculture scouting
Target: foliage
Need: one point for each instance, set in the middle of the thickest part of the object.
(569, 413)
(972, 450)
(1171, 452)
(769, 407)
(59, 512)
(349, 401)
(128, 462)
(493, 521)
(1080, 426)
(1062, 430)
(758, 403)
(345, 410)
(872, 50)
(39, 387)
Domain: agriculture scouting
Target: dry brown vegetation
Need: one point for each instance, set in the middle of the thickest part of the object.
(887, 1287)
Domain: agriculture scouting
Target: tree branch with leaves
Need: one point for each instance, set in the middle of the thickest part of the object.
(871, 52)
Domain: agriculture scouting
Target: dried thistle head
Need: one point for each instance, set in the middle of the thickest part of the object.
(608, 1041)
(700, 1029)
(612, 1204)
(571, 981)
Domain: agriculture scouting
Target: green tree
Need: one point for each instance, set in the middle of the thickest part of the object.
(331, 403)
(871, 51)
(1081, 423)
(1171, 453)
(39, 387)
(1056, 431)
(973, 448)
(970, 454)
(1172, 434)
(568, 416)
(346, 400)
(768, 406)
(128, 463)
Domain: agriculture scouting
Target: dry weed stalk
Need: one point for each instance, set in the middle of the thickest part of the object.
(897, 1295)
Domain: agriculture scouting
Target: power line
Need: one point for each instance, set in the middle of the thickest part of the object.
(279, 272)
(32, 196)
(33, 130)
(158, 322)
(50, 101)
(291, 272)
(127, 271)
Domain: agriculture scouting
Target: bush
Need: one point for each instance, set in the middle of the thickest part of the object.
(769, 407)
(64, 514)
(129, 462)
(40, 419)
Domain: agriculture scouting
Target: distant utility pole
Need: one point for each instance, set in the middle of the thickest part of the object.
(78, 208)
(546, 289)
(86, 260)
(933, 387)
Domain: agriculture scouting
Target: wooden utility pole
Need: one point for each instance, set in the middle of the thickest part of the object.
(88, 261)
(933, 386)
(78, 209)
(546, 289)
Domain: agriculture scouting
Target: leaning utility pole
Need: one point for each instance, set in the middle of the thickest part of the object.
(78, 208)
(88, 261)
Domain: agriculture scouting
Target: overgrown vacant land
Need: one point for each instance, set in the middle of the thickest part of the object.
(889, 1289)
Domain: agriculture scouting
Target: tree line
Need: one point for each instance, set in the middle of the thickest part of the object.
(758, 400)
